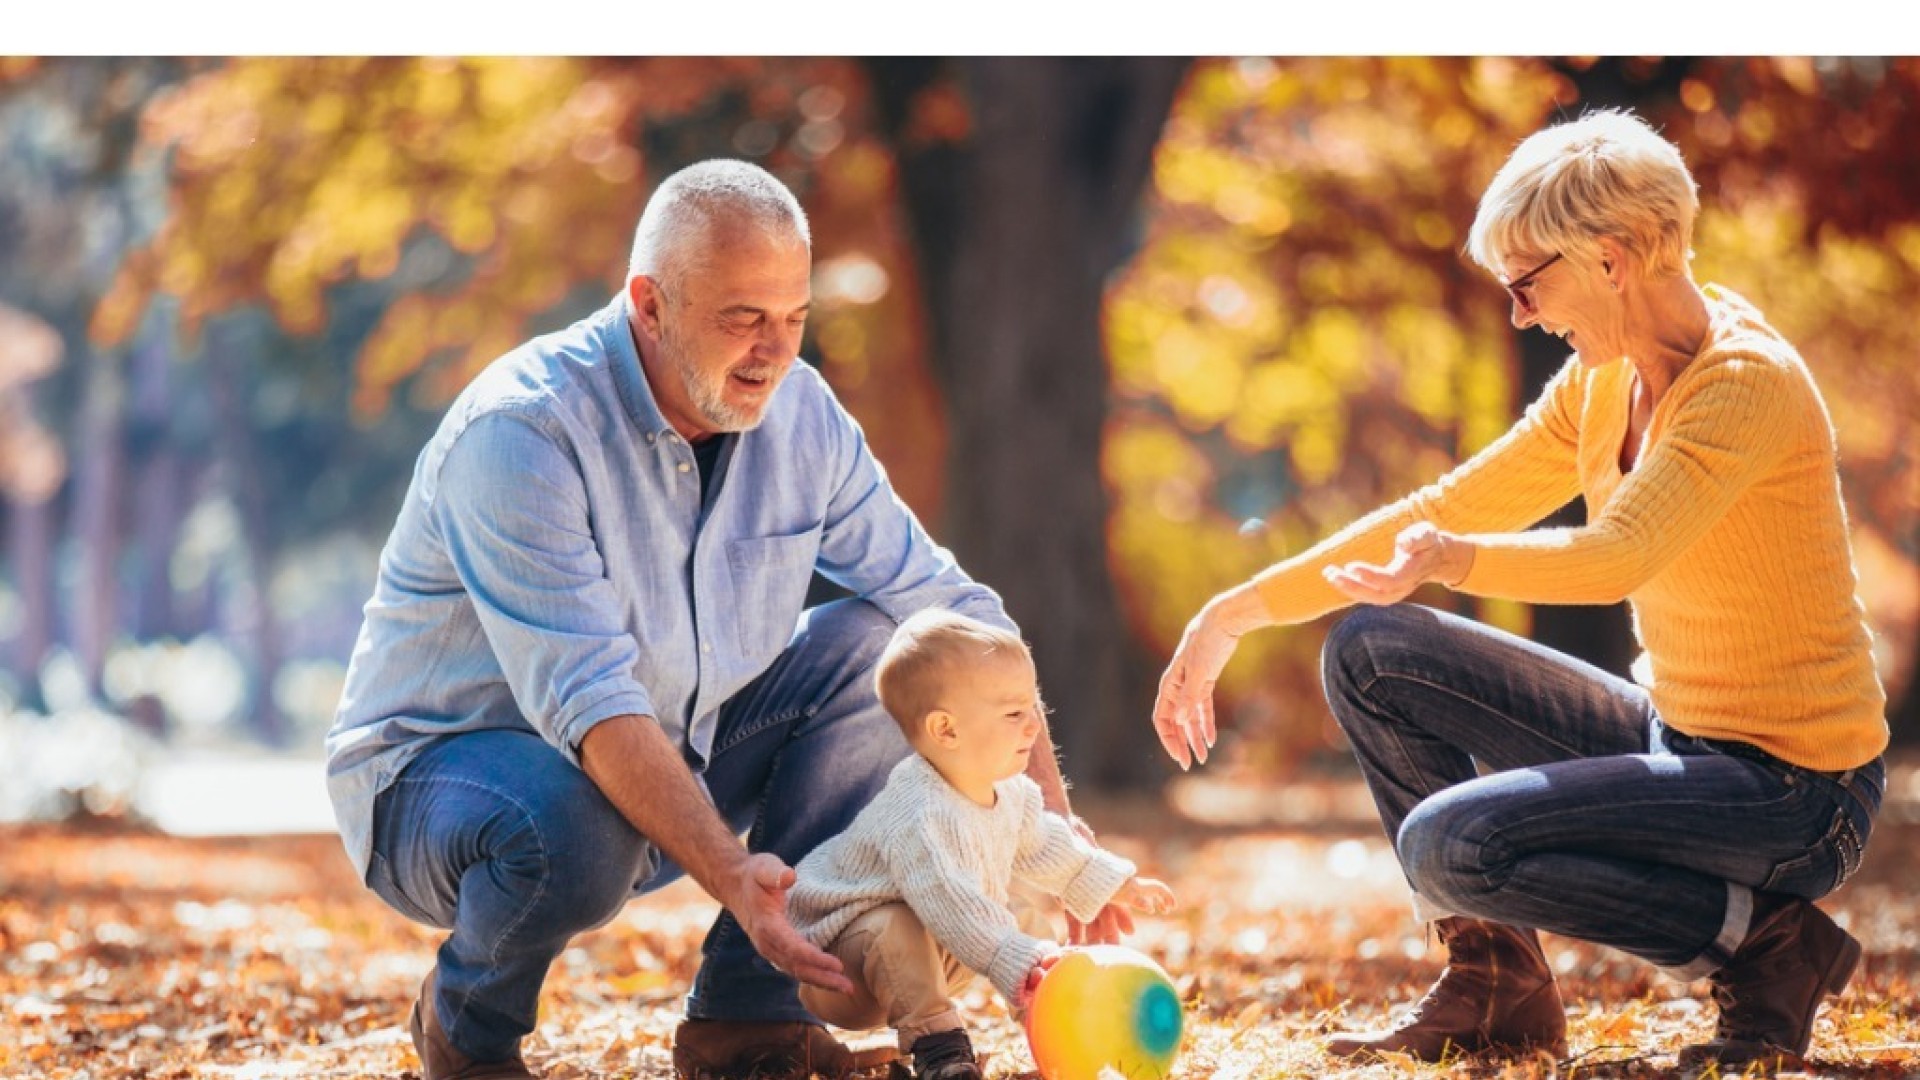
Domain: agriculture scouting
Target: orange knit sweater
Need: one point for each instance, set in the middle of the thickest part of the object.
(1728, 537)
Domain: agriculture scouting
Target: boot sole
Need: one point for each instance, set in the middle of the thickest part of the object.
(1840, 972)
(876, 1063)
(1483, 1052)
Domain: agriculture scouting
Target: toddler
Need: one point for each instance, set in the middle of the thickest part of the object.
(915, 893)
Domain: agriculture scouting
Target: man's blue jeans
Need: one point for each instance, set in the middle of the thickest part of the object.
(496, 837)
(1595, 821)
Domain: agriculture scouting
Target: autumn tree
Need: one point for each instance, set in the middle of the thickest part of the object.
(1301, 338)
(73, 201)
(1122, 330)
(1023, 180)
(292, 178)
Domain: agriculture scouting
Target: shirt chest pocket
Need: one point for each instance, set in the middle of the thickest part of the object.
(770, 579)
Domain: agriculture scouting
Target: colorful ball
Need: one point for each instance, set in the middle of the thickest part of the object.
(1105, 1007)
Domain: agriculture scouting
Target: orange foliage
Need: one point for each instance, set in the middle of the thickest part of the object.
(133, 954)
(292, 176)
(486, 191)
(1300, 340)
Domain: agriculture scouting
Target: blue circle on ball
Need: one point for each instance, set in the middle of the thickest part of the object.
(1157, 1019)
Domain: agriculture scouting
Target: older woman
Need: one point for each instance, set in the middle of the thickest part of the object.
(1687, 817)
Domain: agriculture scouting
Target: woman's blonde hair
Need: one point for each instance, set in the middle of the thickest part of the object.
(929, 650)
(1565, 187)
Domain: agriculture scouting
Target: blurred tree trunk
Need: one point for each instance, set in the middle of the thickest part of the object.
(30, 533)
(32, 470)
(239, 460)
(1020, 215)
(98, 488)
(159, 503)
(1903, 712)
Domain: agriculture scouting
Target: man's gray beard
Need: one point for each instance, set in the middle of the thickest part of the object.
(709, 396)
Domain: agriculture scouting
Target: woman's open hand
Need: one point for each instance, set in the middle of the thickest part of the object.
(1421, 553)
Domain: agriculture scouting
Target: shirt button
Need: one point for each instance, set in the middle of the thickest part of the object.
(684, 466)
(706, 646)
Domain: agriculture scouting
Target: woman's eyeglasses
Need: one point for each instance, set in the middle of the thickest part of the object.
(1519, 286)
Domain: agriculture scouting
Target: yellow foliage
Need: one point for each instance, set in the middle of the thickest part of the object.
(1140, 455)
(1317, 448)
(1200, 381)
(293, 175)
(1298, 296)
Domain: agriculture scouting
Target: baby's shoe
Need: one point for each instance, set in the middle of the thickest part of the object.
(945, 1055)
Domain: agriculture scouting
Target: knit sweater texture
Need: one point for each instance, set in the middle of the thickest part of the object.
(1728, 537)
(953, 861)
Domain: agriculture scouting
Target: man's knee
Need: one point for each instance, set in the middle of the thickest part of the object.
(851, 628)
(581, 858)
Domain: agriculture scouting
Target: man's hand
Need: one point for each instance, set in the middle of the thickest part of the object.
(1183, 712)
(641, 772)
(759, 902)
(1421, 553)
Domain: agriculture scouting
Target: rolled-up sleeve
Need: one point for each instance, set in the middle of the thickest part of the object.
(512, 512)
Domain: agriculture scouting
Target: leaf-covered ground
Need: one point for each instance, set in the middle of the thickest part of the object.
(131, 954)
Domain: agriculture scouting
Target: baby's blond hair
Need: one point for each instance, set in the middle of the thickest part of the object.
(929, 649)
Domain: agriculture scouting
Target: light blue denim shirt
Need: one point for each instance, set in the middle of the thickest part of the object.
(554, 566)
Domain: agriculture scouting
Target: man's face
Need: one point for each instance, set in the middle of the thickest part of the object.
(717, 343)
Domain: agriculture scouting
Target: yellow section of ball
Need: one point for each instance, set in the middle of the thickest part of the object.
(1105, 1007)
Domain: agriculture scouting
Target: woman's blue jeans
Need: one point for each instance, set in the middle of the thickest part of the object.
(1593, 820)
(496, 837)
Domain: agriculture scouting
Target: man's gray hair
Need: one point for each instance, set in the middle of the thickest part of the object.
(688, 202)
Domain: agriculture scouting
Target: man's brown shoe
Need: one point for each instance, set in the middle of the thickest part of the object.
(1496, 994)
(1770, 991)
(766, 1050)
(438, 1058)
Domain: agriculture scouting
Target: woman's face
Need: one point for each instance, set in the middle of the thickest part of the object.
(1570, 300)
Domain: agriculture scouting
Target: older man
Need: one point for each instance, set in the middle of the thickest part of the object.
(586, 669)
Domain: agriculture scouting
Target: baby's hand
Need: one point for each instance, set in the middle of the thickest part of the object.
(1032, 984)
(1146, 894)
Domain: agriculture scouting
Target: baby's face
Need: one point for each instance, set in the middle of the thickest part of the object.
(996, 710)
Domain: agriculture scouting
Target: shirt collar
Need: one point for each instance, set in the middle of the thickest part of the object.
(616, 333)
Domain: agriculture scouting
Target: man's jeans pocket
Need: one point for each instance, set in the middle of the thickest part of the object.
(380, 880)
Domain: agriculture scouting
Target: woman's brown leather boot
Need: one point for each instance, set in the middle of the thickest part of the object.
(1497, 992)
(1768, 994)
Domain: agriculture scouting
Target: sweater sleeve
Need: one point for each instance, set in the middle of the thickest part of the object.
(1059, 860)
(929, 863)
(1729, 425)
(1521, 477)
